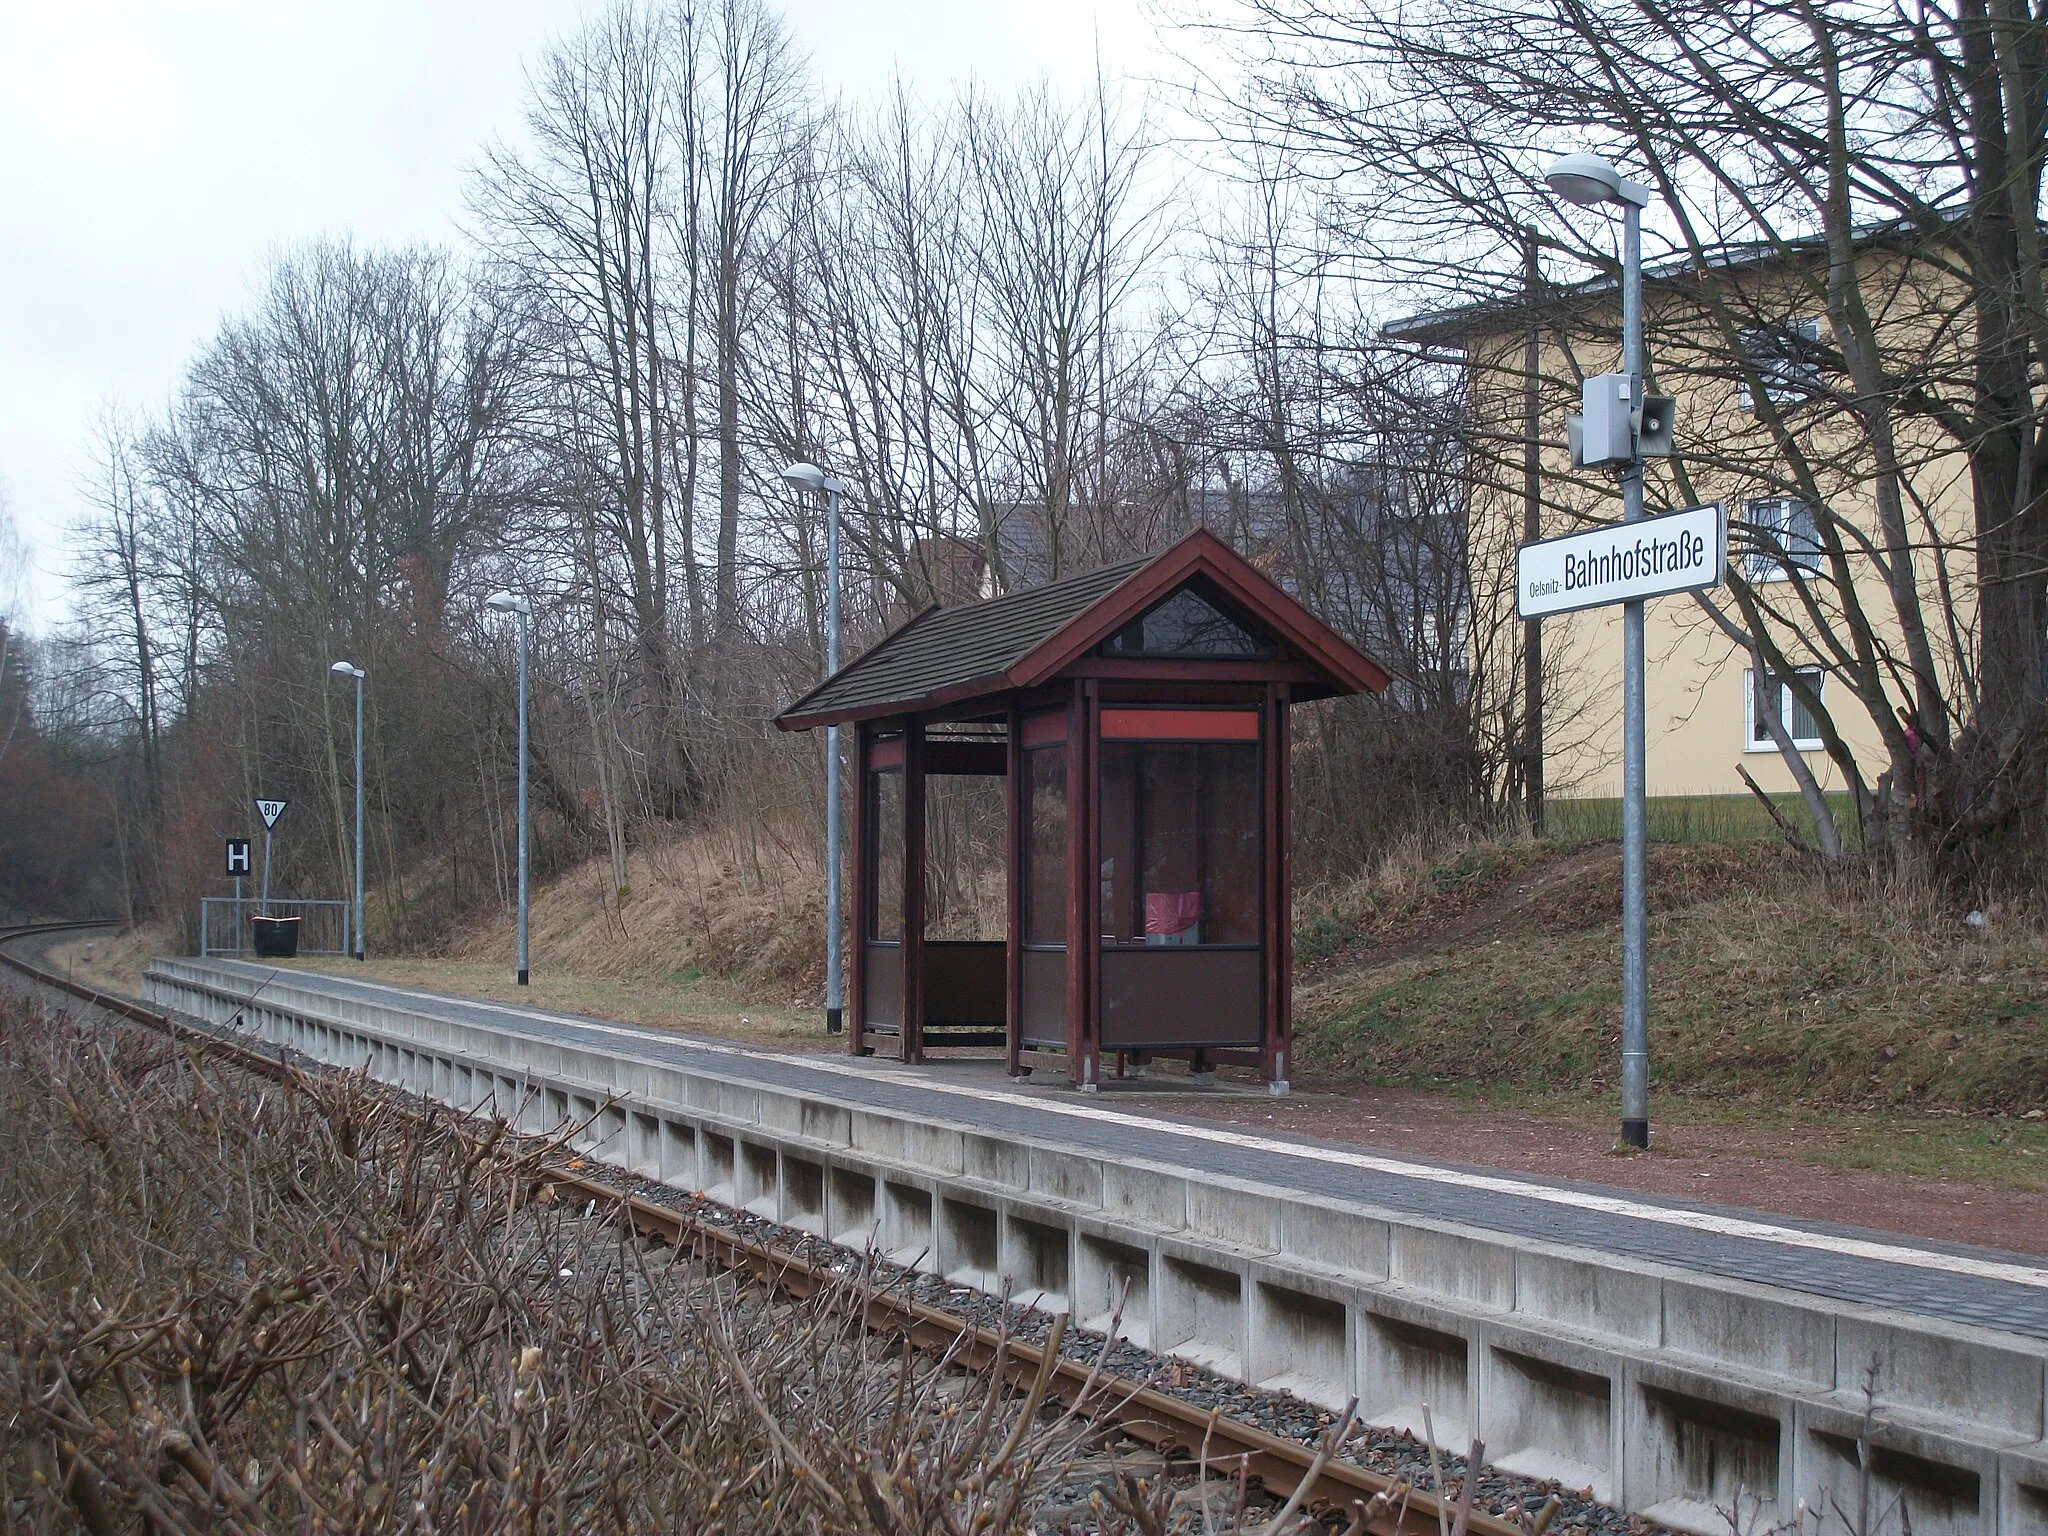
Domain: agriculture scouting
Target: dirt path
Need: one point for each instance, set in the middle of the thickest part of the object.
(1750, 1169)
(1547, 884)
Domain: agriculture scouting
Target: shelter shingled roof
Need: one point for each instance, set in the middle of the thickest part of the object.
(943, 648)
(946, 655)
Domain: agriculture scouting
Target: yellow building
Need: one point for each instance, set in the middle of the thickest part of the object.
(1766, 425)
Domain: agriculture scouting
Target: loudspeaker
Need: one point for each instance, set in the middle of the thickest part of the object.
(1660, 427)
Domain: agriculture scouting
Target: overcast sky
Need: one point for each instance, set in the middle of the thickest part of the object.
(155, 153)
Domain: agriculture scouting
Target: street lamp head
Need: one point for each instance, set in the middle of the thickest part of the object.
(808, 477)
(347, 669)
(508, 602)
(1589, 181)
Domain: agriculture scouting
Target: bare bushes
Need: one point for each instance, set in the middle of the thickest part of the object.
(1373, 774)
(234, 1306)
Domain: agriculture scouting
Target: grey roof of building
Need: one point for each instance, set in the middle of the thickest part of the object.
(1451, 326)
(944, 650)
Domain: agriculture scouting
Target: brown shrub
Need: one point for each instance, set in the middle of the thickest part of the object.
(228, 1305)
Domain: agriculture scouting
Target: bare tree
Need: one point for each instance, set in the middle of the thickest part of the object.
(579, 228)
(1064, 242)
(757, 121)
(13, 585)
(1838, 159)
(116, 582)
(985, 313)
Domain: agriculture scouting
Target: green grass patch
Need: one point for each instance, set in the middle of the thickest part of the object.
(1693, 818)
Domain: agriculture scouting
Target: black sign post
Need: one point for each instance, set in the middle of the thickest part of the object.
(238, 866)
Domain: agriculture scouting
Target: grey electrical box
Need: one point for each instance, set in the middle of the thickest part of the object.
(1660, 427)
(1606, 419)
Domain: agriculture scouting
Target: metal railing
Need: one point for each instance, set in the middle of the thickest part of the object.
(224, 924)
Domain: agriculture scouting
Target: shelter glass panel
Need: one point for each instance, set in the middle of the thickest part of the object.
(966, 895)
(885, 854)
(1045, 846)
(1187, 624)
(1045, 996)
(1181, 832)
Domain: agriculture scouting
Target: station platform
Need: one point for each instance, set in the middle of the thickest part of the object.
(2003, 1291)
(1661, 1352)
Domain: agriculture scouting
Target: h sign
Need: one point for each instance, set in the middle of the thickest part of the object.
(238, 856)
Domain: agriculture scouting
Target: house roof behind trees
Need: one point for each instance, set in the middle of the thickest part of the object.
(947, 656)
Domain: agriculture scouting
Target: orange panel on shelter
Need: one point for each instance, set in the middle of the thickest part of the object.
(1045, 730)
(1180, 725)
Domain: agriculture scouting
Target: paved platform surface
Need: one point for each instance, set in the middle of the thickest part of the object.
(1974, 1286)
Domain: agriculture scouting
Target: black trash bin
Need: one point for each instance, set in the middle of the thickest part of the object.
(277, 938)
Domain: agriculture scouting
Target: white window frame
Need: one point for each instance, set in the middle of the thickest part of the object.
(1765, 565)
(1787, 380)
(1752, 727)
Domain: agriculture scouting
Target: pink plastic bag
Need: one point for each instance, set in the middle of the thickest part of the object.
(1170, 912)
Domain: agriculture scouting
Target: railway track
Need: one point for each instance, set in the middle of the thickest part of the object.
(1158, 1419)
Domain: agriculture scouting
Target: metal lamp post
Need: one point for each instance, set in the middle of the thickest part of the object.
(513, 603)
(808, 477)
(1590, 182)
(350, 669)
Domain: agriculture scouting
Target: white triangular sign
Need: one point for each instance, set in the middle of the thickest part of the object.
(270, 810)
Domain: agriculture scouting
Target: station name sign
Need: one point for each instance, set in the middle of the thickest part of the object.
(1652, 557)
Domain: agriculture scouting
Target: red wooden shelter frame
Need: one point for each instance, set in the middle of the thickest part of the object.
(1139, 718)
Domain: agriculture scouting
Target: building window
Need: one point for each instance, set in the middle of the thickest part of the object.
(1785, 359)
(1798, 720)
(1784, 533)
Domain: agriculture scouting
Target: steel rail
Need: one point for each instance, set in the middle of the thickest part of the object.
(1158, 1419)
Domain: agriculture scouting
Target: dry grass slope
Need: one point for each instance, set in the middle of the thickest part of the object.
(745, 909)
(1769, 983)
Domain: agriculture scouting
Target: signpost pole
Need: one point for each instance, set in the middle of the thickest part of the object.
(808, 477)
(266, 871)
(523, 969)
(833, 1013)
(358, 925)
(520, 608)
(1635, 989)
(1590, 182)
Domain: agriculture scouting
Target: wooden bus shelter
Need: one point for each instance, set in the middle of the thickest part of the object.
(1138, 716)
